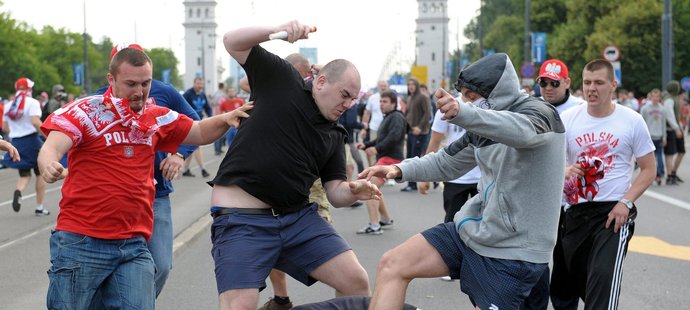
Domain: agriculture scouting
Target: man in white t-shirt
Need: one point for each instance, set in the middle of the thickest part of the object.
(22, 121)
(372, 117)
(603, 140)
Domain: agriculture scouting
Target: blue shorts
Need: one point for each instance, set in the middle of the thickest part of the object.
(247, 247)
(489, 282)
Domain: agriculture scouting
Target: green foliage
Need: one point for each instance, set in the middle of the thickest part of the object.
(578, 30)
(163, 59)
(47, 57)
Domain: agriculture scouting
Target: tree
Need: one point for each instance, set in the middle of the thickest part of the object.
(164, 59)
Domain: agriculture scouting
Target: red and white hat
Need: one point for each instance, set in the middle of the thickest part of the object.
(23, 83)
(553, 69)
(121, 46)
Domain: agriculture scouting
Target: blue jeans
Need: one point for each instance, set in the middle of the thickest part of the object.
(659, 154)
(230, 135)
(416, 146)
(121, 271)
(160, 244)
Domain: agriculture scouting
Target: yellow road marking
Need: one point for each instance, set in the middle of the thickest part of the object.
(653, 246)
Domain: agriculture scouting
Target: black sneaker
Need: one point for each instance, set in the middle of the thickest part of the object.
(42, 212)
(204, 173)
(386, 225)
(408, 189)
(188, 173)
(678, 179)
(368, 230)
(16, 201)
(357, 204)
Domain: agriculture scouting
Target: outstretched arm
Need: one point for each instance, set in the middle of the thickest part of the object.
(239, 42)
(211, 129)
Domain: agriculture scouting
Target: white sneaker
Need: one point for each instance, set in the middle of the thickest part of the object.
(390, 182)
(447, 278)
(368, 230)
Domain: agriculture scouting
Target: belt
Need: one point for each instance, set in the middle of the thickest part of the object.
(246, 211)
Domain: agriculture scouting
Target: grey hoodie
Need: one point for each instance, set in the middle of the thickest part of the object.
(519, 145)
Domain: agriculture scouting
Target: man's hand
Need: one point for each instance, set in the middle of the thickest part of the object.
(233, 118)
(371, 151)
(618, 215)
(14, 154)
(447, 104)
(572, 171)
(364, 190)
(423, 187)
(295, 31)
(53, 172)
(386, 172)
(171, 166)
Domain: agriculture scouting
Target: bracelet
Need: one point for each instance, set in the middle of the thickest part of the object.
(178, 154)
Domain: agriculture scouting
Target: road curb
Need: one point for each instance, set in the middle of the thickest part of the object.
(190, 233)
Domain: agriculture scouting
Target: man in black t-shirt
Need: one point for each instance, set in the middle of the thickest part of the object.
(262, 218)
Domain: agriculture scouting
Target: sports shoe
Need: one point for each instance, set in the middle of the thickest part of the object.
(658, 180)
(368, 230)
(16, 201)
(204, 173)
(675, 176)
(670, 180)
(408, 189)
(386, 225)
(447, 278)
(390, 182)
(271, 304)
(42, 212)
(188, 173)
(357, 204)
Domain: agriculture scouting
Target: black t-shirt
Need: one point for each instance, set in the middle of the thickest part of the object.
(286, 143)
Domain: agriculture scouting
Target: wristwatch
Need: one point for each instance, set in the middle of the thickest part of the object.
(627, 203)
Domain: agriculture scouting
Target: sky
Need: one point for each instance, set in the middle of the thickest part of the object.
(365, 32)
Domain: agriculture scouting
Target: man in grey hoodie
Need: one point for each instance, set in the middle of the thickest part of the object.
(501, 240)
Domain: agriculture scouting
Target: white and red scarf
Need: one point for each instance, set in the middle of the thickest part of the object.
(16, 110)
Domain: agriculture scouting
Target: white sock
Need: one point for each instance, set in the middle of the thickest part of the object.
(39, 207)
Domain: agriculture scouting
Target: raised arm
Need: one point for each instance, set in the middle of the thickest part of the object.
(239, 42)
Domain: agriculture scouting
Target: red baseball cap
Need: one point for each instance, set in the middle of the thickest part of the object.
(24, 83)
(121, 46)
(553, 69)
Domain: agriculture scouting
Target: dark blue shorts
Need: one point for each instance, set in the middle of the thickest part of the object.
(247, 247)
(489, 282)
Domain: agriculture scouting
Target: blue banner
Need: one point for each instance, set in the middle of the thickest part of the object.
(78, 74)
(538, 47)
(165, 76)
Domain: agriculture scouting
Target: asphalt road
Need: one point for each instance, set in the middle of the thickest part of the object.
(656, 270)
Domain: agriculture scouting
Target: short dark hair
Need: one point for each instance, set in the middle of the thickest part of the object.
(392, 96)
(132, 56)
(599, 64)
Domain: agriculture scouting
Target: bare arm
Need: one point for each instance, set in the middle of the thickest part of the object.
(435, 142)
(55, 146)
(244, 85)
(342, 193)
(239, 42)
(365, 119)
(6, 146)
(36, 122)
(619, 214)
(211, 129)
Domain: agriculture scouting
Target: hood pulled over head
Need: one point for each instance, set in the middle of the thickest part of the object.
(494, 78)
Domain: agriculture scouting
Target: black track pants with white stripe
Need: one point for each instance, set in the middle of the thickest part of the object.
(594, 254)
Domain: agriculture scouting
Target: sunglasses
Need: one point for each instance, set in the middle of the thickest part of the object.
(553, 83)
